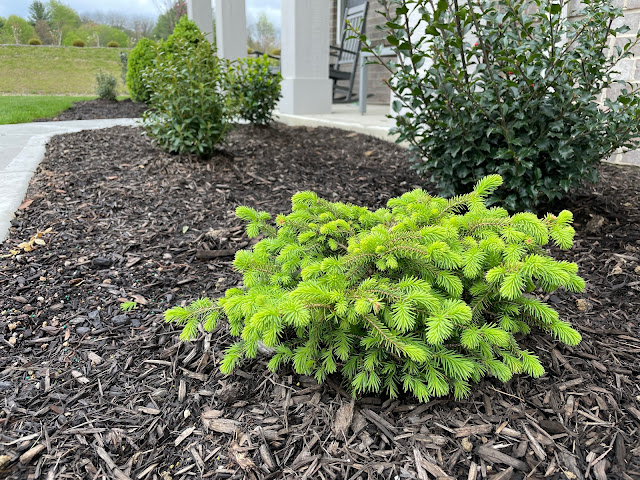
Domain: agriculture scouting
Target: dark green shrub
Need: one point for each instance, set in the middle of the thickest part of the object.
(188, 111)
(255, 89)
(141, 57)
(106, 86)
(35, 41)
(510, 87)
(185, 31)
(113, 44)
(77, 43)
(424, 296)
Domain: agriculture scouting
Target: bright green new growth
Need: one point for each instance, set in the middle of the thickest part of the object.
(424, 296)
(142, 56)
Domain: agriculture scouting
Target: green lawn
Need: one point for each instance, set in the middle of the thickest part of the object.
(40, 70)
(27, 109)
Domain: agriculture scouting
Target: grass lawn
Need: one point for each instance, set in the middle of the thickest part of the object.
(26, 109)
(40, 70)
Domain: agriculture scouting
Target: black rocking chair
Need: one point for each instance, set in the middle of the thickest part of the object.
(348, 52)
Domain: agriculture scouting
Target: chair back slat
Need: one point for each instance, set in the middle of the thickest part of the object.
(356, 17)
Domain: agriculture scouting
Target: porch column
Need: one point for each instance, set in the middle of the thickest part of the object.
(306, 87)
(201, 13)
(231, 29)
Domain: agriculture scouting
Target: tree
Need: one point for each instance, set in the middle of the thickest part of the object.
(262, 34)
(173, 11)
(43, 31)
(63, 19)
(18, 29)
(38, 12)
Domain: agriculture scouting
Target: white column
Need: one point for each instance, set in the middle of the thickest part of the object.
(201, 13)
(231, 29)
(306, 87)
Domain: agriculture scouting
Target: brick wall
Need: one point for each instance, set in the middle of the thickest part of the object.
(377, 91)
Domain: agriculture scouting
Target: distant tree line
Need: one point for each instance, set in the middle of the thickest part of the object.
(54, 23)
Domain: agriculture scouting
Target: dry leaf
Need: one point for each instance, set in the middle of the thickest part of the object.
(24, 205)
(343, 419)
(238, 454)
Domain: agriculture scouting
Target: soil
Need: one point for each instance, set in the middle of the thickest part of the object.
(99, 108)
(92, 392)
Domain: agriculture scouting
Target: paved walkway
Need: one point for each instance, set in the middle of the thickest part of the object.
(22, 148)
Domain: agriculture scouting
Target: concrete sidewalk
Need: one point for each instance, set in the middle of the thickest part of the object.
(22, 148)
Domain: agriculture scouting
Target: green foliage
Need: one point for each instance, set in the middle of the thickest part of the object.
(128, 306)
(426, 295)
(141, 57)
(188, 112)
(16, 30)
(38, 11)
(78, 43)
(113, 44)
(106, 85)
(35, 41)
(185, 31)
(255, 89)
(510, 87)
(167, 20)
(123, 57)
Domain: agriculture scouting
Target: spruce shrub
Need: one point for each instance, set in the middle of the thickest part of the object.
(35, 41)
(141, 57)
(510, 87)
(255, 89)
(78, 43)
(424, 296)
(113, 44)
(106, 86)
(188, 111)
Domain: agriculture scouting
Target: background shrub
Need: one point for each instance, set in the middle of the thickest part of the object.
(35, 41)
(424, 296)
(106, 85)
(185, 31)
(113, 44)
(77, 43)
(188, 110)
(255, 89)
(510, 87)
(141, 57)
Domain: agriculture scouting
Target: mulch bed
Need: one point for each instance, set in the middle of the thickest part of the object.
(99, 108)
(91, 392)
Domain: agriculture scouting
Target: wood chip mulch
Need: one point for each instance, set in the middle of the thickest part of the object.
(88, 391)
(99, 108)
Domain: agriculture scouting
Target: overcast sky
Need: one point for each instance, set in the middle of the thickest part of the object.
(149, 8)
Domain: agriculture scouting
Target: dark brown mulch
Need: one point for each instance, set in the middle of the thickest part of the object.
(99, 108)
(92, 392)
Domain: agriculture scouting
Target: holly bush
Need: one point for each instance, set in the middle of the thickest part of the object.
(425, 296)
(188, 110)
(142, 56)
(255, 89)
(509, 87)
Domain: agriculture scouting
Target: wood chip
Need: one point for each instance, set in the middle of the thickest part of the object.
(30, 454)
(492, 455)
(184, 435)
(468, 430)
